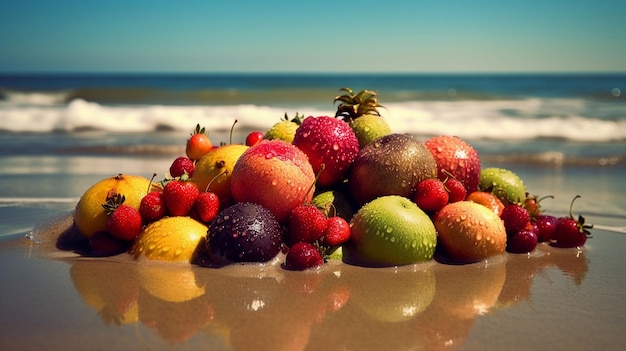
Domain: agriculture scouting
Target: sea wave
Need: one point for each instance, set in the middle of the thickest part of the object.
(523, 119)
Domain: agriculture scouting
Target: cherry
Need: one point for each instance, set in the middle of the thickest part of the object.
(523, 241)
(182, 165)
(303, 256)
(254, 138)
(337, 231)
(515, 218)
(456, 190)
(544, 227)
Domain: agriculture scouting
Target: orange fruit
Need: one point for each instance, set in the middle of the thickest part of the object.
(488, 200)
(90, 216)
(216, 168)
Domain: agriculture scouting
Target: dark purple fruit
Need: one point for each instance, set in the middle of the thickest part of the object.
(545, 225)
(244, 232)
(523, 241)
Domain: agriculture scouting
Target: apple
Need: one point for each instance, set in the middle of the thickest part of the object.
(504, 184)
(391, 231)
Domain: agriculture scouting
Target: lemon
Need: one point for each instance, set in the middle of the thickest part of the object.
(174, 239)
(171, 283)
(90, 216)
(216, 168)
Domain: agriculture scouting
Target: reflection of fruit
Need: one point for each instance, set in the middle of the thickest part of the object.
(220, 160)
(394, 296)
(111, 288)
(391, 165)
(275, 174)
(503, 183)
(469, 290)
(90, 216)
(392, 230)
(170, 239)
(469, 232)
(173, 283)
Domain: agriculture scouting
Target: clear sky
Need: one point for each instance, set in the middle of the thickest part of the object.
(313, 36)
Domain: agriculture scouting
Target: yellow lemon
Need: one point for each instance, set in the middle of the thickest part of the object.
(174, 239)
(218, 164)
(90, 216)
(172, 283)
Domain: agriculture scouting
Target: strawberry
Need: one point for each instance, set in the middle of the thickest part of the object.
(327, 141)
(431, 195)
(285, 129)
(152, 207)
(303, 256)
(455, 157)
(570, 232)
(199, 144)
(306, 224)
(182, 165)
(515, 218)
(179, 195)
(337, 231)
(123, 222)
(254, 138)
(456, 190)
(207, 206)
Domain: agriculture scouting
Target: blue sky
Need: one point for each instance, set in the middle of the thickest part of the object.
(313, 36)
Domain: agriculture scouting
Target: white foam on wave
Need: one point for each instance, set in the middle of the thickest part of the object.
(490, 119)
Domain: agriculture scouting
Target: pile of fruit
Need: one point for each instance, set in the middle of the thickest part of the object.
(318, 188)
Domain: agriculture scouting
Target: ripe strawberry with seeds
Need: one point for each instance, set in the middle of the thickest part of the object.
(306, 224)
(207, 206)
(337, 232)
(182, 165)
(180, 195)
(198, 144)
(431, 195)
(124, 222)
(303, 256)
(570, 232)
(327, 141)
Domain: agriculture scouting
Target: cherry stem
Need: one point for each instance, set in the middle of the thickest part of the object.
(212, 179)
(230, 140)
(545, 197)
(571, 206)
(151, 180)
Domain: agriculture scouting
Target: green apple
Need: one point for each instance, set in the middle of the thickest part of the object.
(504, 184)
(391, 231)
(368, 128)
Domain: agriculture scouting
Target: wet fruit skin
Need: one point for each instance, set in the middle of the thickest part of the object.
(503, 183)
(523, 241)
(470, 232)
(455, 156)
(90, 217)
(275, 174)
(303, 256)
(244, 232)
(391, 165)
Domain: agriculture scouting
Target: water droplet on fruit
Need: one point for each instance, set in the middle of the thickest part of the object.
(178, 252)
(269, 155)
(274, 182)
(335, 146)
(463, 217)
(165, 249)
(393, 239)
(479, 236)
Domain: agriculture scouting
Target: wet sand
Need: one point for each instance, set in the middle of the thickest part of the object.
(553, 299)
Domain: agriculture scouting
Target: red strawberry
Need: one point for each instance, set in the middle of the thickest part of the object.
(456, 190)
(124, 221)
(327, 141)
(515, 218)
(182, 165)
(457, 158)
(152, 207)
(180, 195)
(254, 138)
(306, 224)
(570, 232)
(303, 256)
(337, 231)
(207, 206)
(199, 144)
(431, 195)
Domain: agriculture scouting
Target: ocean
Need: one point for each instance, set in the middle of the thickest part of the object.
(61, 132)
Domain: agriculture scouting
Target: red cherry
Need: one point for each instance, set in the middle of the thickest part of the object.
(570, 232)
(303, 256)
(456, 190)
(523, 241)
(337, 231)
(207, 206)
(182, 165)
(431, 195)
(254, 138)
